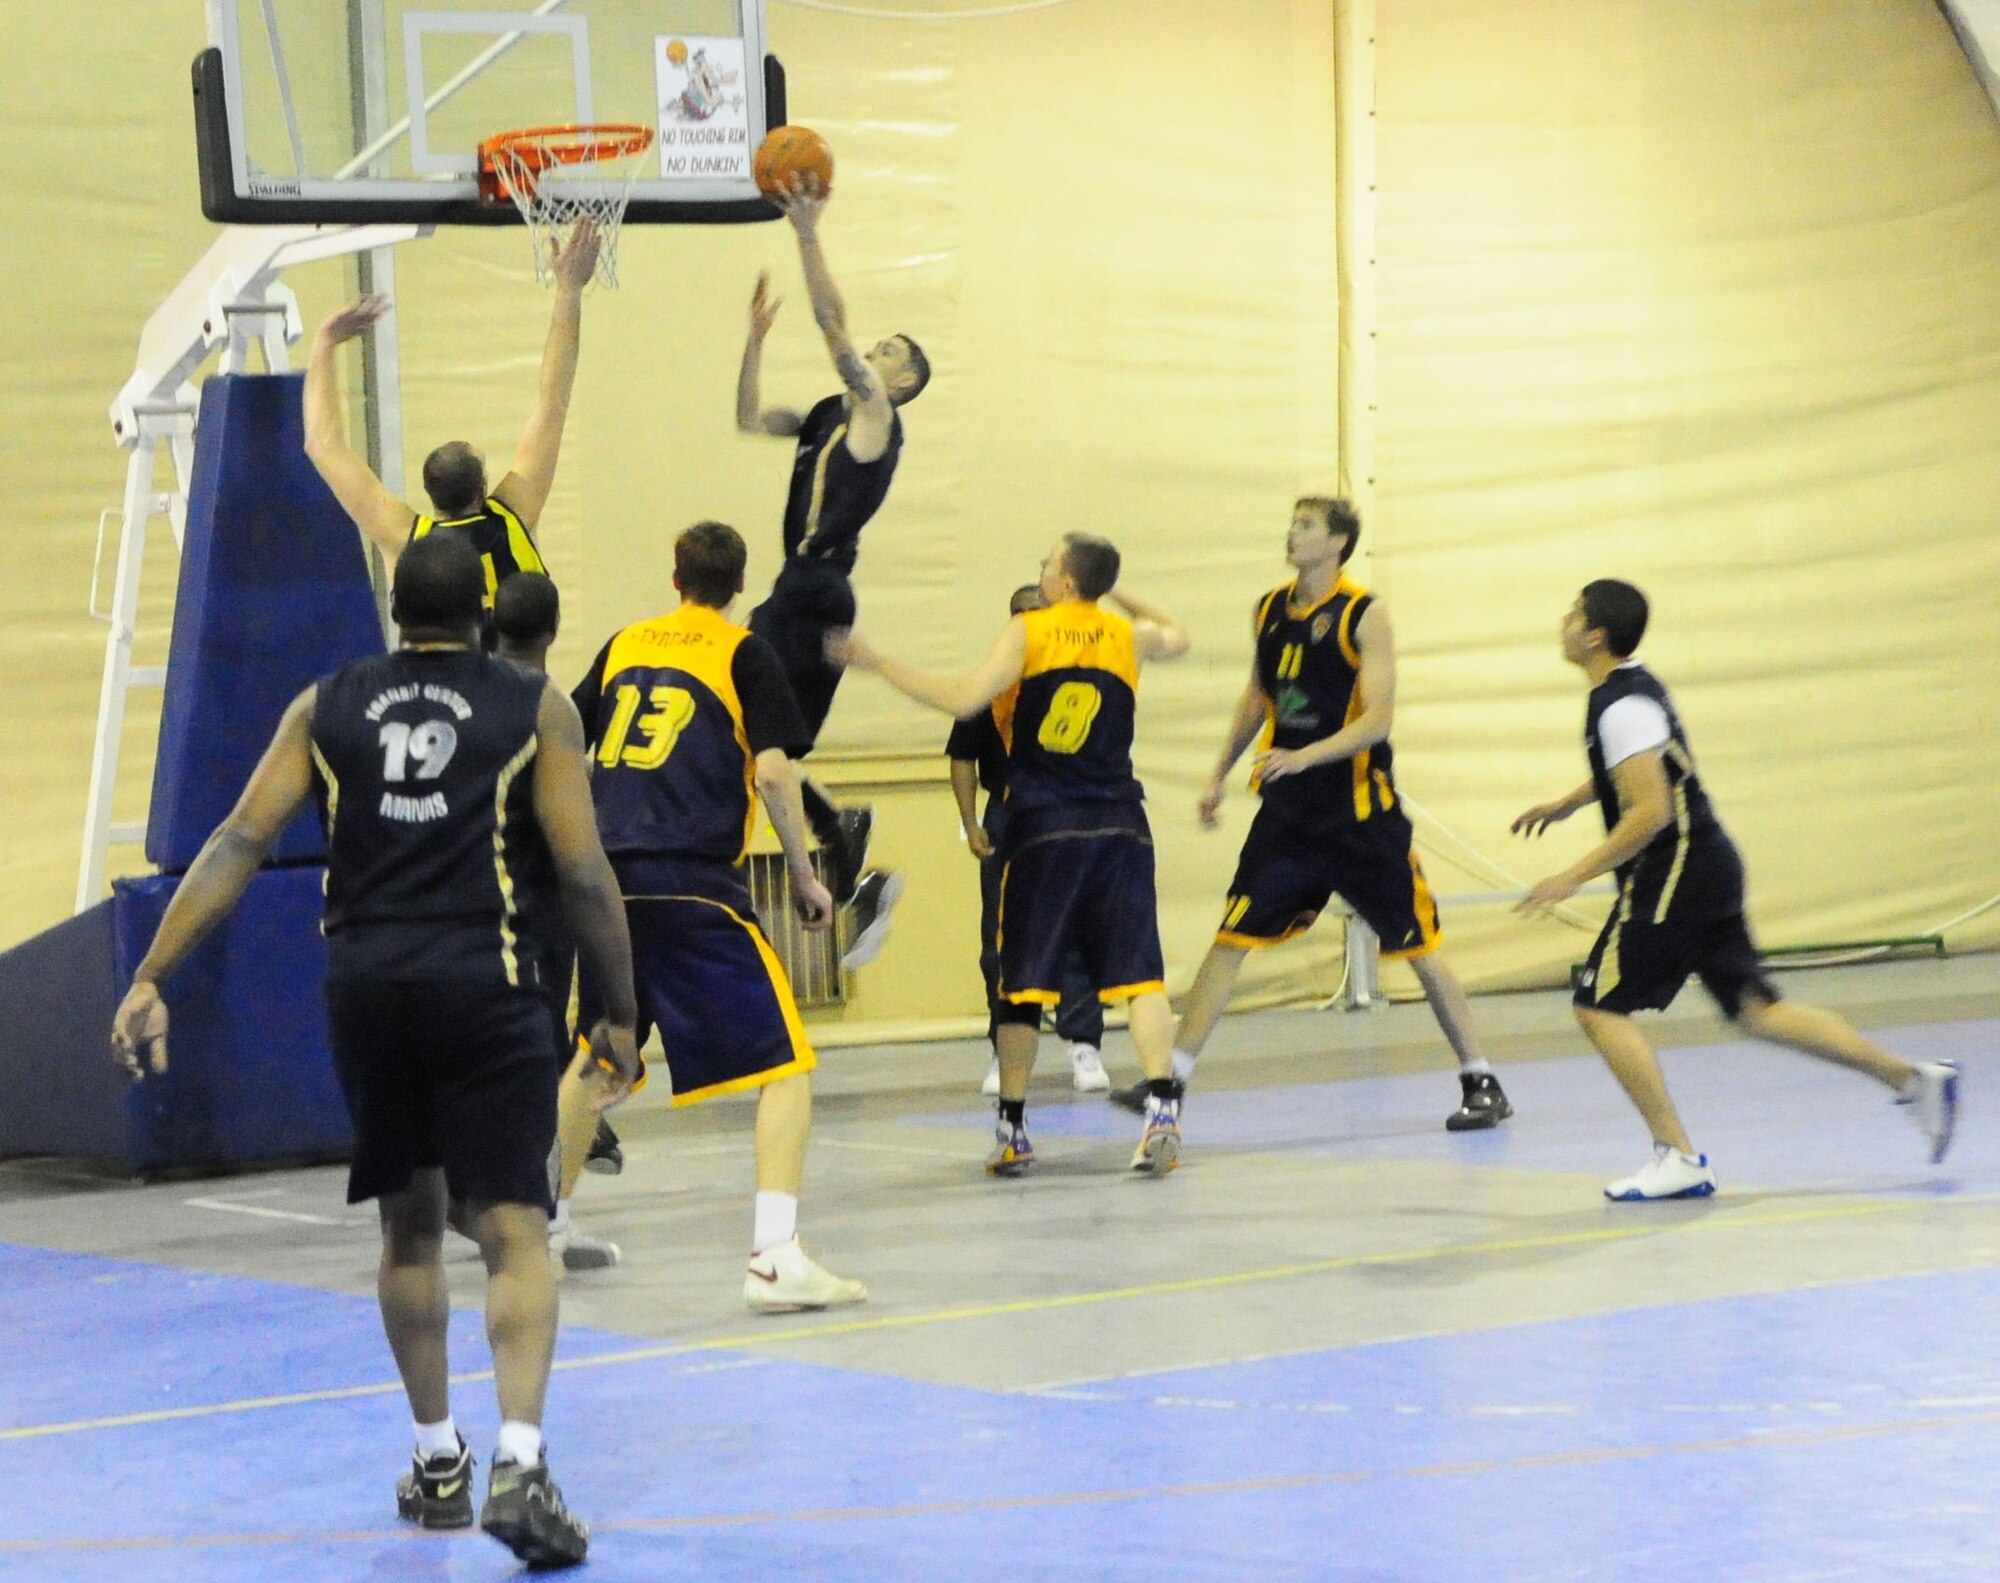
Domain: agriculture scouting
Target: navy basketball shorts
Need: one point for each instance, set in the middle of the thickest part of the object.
(707, 978)
(444, 1072)
(1079, 878)
(1286, 875)
(1639, 963)
(810, 599)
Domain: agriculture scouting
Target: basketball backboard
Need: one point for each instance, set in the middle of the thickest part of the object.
(373, 110)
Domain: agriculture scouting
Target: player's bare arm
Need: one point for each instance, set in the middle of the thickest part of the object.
(228, 861)
(1543, 814)
(752, 416)
(1253, 708)
(965, 791)
(778, 785)
(364, 497)
(1376, 681)
(525, 489)
(1155, 634)
(591, 903)
(871, 418)
(959, 696)
(1645, 805)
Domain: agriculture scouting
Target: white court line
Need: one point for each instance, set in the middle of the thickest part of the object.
(227, 1207)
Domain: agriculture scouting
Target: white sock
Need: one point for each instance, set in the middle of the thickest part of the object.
(777, 1221)
(559, 1221)
(1183, 1066)
(1476, 1068)
(520, 1443)
(437, 1440)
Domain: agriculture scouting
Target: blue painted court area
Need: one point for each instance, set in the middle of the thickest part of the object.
(1845, 1432)
(1766, 1117)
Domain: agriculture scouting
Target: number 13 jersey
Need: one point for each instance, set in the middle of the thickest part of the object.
(676, 710)
(423, 764)
(1068, 725)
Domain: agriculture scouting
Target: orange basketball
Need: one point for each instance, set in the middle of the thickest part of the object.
(677, 52)
(790, 151)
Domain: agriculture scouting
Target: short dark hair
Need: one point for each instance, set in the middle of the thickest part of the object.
(1027, 597)
(1339, 515)
(527, 610)
(1092, 564)
(455, 479)
(440, 585)
(920, 370)
(708, 563)
(1619, 611)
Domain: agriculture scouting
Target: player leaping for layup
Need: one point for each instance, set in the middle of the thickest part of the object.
(848, 447)
(499, 522)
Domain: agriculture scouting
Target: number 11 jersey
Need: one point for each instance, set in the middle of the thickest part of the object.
(676, 710)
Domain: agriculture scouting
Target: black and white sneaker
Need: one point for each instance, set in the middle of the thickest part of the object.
(874, 899)
(1132, 1099)
(1484, 1105)
(437, 1491)
(606, 1158)
(524, 1510)
(846, 854)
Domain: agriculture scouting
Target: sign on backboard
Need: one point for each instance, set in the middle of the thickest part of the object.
(373, 110)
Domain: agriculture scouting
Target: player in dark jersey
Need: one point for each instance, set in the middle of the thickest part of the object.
(978, 755)
(1063, 682)
(1680, 905)
(432, 767)
(1322, 695)
(847, 449)
(692, 725)
(499, 521)
(527, 615)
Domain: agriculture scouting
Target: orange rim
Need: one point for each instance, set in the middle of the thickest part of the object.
(534, 149)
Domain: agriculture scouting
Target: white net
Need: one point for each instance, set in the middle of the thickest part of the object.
(565, 176)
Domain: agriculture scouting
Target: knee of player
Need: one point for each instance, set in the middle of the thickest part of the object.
(1753, 1013)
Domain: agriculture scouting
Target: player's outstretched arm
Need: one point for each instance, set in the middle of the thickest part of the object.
(752, 416)
(362, 495)
(526, 487)
(959, 696)
(591, 904)
(1155, 633)
(1377, 684)
(1543, 814)
(872, 418)
(778, 785)
(1646, 808)
(1253, 709)
(215, 882)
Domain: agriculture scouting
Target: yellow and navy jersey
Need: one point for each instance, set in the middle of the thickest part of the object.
(676, 711)
(423, 767)
(501, 538)
(1309, 665)
(1068, 724)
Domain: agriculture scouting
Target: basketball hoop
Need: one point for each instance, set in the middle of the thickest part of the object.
(561, 176)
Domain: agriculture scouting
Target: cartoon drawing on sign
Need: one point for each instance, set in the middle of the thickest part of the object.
(704, 92)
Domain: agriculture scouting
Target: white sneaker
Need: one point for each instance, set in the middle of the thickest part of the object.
(1934, 1097)
(1669, 1174)
(576, 1251)
(1086, 1070)
(1159, 1150)
(782, 1280)
(991, 1087)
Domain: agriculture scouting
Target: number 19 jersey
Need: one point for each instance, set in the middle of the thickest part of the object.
(676, 711)
(422, 760)
(1068, 725)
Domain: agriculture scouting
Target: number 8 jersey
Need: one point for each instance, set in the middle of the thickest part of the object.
(676, 711)
(1068, 725)
(422, 762)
